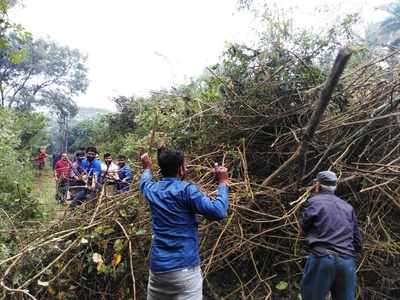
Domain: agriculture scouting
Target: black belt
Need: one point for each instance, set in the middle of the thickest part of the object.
(321, 249)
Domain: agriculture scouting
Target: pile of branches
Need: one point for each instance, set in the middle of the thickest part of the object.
(96, 251)
(273, 148)
(284, 145)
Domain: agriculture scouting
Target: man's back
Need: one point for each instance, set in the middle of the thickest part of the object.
(175, 240)
(331, 229)
(330, 222)
(174, 204)
(175, 261)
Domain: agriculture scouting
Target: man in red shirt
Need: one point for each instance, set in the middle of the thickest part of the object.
(41, 158)
(61, 174)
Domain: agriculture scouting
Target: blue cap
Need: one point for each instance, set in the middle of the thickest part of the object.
(326, 178)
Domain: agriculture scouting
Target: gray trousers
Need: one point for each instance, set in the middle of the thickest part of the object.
(186, 284)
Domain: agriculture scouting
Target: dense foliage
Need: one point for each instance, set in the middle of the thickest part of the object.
(34, 73)
(254, 105)
(249, 110)
(17, 177)
(43, 72)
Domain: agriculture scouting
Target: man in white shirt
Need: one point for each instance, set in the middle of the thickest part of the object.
(109, 170)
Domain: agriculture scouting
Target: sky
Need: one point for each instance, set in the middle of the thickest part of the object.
(135, 47)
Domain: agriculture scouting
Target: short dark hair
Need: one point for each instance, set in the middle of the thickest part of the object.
(79, 153)
(170, 161)
(91, 149)
(107, 154)
(121, 157)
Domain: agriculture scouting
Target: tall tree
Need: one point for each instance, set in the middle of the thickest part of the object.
(36, 69)
(65, 109)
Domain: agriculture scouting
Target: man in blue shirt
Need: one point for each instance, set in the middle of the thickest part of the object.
(175, 262)
(91, 165)
(92, 169)
(332, 233)
(124, 173)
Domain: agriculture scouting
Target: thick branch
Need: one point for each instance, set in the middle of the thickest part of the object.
(340, 63)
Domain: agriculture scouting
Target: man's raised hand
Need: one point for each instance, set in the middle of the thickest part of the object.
(146, 161)
(221, 174)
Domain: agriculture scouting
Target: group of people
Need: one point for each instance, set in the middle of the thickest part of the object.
(86, 174)
(328, 223)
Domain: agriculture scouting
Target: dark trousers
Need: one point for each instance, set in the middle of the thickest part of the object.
(122, 187)
(79, 197)
(329, 273)
(61, 191)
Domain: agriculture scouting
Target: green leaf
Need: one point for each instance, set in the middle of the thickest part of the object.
(108, 231)
(118, 245)
(282, 285)
(140, 232)
(102, 268)
(104, 230)
(3, 44)
(3, 6)
(17, 57)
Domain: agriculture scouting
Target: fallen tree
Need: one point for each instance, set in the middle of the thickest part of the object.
(100, 250)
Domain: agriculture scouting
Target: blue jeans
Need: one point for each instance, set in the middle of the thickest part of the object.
(329, 273)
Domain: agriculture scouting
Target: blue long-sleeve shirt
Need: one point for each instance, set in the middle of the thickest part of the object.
(174, 204)
(92, 168)
(125, 174)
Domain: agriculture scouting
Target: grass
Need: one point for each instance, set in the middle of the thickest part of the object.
(44, 190)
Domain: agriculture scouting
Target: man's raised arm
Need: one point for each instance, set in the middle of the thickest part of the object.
(216, 209)
(146, 179)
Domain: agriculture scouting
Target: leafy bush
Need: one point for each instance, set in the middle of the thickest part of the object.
(16, 171)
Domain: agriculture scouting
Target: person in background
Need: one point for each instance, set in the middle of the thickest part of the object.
(92, 169)
(61, 174)
(91, 165)
(109, 170)
(109, 175)
(174, 261)
(79, 158)
(83, 150)
(77, 171)
(125, 174)
(41, 158)
(331, 230)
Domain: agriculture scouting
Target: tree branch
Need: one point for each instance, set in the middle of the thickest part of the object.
(338, 67)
